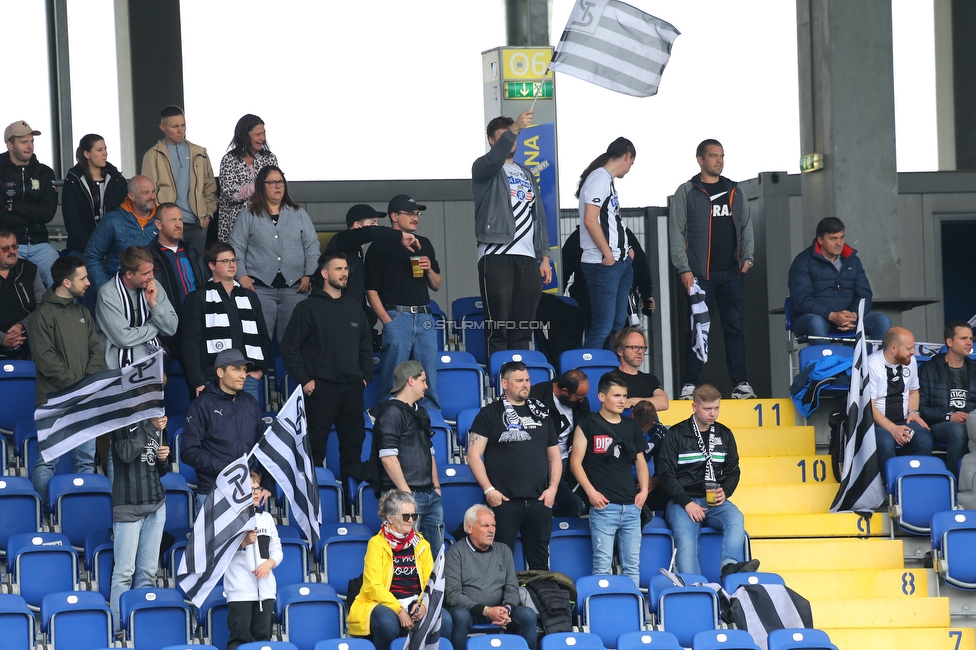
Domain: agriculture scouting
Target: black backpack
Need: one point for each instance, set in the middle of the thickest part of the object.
(550, 598)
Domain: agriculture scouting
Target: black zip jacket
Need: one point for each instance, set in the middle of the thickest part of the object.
(30, 199)
(328, 340)
(681, 465)
(78, 208)
(406, 429)
(934, 384)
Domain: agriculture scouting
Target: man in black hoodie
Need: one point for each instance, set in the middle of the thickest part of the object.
(29, 196)
(327, 349)
(402, 447)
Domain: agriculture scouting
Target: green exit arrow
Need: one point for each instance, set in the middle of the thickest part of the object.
(527, 90)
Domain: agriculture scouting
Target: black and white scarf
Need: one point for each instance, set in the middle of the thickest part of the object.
(513, 430)
(220, 333)
(139, 314)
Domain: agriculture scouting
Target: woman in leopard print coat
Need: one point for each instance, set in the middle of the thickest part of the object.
(247, 154)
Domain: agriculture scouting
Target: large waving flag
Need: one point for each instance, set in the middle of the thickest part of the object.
(426, 634)
(285, 452)
(227, 515)
(861, 489)
(99, 403)
(611, 44)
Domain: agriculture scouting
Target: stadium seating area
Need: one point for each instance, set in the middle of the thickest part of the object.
(853, 569)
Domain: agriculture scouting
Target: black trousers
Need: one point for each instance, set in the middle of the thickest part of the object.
(533, 519)
(249, 620)
(510, 290)
(341, 405)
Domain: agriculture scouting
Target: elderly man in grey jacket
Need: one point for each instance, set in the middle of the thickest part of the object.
(513, 244)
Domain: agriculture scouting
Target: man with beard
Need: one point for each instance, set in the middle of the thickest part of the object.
(630, 345)
(132, 224)
(521, 467)
(327, 348)
(21, 290)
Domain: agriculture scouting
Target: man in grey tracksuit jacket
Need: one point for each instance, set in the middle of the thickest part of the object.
(513, 244)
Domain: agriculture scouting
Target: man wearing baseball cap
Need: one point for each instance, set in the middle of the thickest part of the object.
(222, 424)
(398, 281)
(29, 197)
(362, 227)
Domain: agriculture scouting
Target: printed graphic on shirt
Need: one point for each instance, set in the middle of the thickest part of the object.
(520, 187)
(151, 452)
(598, 189)
(404, 565)
(517, 428)
(957, 399)
(601, 443)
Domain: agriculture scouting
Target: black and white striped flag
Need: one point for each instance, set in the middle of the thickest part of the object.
(611, 44)
(700, 321)
(285, 453)
(226, 516)
(426, 634)
(102, 402)
(861, 489)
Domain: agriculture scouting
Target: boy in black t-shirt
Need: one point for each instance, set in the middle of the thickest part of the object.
(607, 447)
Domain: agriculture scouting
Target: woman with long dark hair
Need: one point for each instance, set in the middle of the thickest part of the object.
(277, 248)
(92, 188)
(247, 154)
(606, 259)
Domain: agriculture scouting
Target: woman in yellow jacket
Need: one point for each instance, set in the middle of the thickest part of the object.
(396, 568)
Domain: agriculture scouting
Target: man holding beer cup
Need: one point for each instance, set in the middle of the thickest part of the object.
(699, 469)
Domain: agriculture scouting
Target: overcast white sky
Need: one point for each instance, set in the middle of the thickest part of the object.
(386, 89)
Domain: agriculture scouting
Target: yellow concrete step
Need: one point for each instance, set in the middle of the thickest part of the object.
(857, 583)
(780, 555)
(938, 638)
(769, 470)
(881, 612)
(775, 441)
(739, 412)
(805, 498)
(815, 525)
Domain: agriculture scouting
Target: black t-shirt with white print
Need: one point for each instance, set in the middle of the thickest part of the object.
(722, 252)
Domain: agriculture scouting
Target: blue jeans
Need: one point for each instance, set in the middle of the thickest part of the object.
(726, 518)
(620, 521)
(523, 624)
(409, 336)
(384, 626)
(277, 306)
(82, 462)
(726, 291)
(431, 523)
(44, 255)
(876, 325)
(136, 555)
(609, 288)
(919, 445)
(956, 440)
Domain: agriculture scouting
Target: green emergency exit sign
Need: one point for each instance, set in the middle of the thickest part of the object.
(527, 90)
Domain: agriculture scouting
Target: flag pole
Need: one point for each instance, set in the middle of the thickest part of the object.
(538, 91)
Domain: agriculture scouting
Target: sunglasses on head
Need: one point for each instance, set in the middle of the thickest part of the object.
(410, 516)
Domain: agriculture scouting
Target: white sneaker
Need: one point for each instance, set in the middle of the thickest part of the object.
(687, 391)
(743, 391)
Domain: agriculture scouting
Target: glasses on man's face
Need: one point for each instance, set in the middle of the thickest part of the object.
(409, 516)
(413, 215)
(256, 491)
(229, 260)
(7, 249)
(279, 183)
(636, 348)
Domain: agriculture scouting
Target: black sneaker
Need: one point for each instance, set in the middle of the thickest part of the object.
(748, 566)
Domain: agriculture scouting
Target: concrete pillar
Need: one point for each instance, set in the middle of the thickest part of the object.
(847, 114)
(527, 23)
(963, 93)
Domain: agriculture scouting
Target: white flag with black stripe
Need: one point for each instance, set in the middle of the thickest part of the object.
(100, 403)
(285, 453)
(426, 634)
(700, 321)
(861, 489)
(226, 516)
(611, 44)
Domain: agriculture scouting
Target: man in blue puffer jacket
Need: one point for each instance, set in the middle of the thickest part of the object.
(826, 283)
(131, 224)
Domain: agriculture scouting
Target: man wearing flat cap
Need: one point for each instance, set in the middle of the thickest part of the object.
(223, 423)
(397, 287)
(362, 227)
(29, 197)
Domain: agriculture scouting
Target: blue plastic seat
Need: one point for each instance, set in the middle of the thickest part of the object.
(649, 640)
(171, 558)
(918, 487)
(953, 535)
(370, 393)
(176, 393)
(367, 506)
(20, 508)
(267, 645)
(571, 552)
(571, 523)
(495, 642)
(340, 553)
(660, 582)
(17, 623)
(459, 491)
(41, 564)
(212, 619)
(799, 639)
(465, 419)
(540, 371)
(308, 613)
(80, 504)
(609, 605)
(294, 568)
(570, 640)
(460, 383)
(17, 385)
(811, 353)
(352, 643)
(332, 447)
(735, 580)
(469, 324)
(656, 550)
(99, 559)
(710, 552)
(176, 447)
(76, 620)
(179, 502)
(153, 619)
(685, 611)
(595, 363)
(723, 640)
